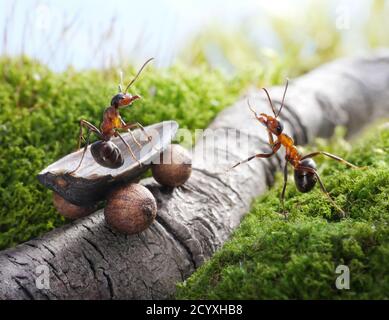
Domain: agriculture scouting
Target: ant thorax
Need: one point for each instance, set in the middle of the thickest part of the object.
(291, 151)
(286, 140)
(111, 121)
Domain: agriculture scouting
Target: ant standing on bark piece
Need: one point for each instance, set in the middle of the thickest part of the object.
(104, 151)
(305, 171)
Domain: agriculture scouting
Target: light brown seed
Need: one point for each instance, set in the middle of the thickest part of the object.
(130, 208)
(175, 166)
(70, 210)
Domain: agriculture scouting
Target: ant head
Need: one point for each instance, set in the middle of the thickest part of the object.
(272, 124)
(122, 100)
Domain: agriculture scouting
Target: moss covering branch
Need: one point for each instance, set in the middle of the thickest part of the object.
(269, 258)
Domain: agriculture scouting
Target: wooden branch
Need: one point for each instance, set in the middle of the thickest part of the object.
(88, 260)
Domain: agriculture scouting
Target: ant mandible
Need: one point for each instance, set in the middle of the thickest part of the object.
(305, 170)
(104, 151)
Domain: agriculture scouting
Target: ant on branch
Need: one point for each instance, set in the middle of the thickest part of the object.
(305, 171)
(104, 151)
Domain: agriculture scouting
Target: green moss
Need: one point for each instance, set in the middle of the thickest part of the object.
(39, 115)
(270, 258)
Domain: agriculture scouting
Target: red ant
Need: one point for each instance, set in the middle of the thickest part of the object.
(305, 171)
(104, 151)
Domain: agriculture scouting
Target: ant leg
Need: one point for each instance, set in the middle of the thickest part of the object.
(283, 189)
(332, 156)
(271, 140)
(83, 153)
(149, 138)
(80, 137)
(342, 213)
(134, 139)
(128, 127)
(129, 148)
(88, 125)
(275, 148)
(91, 128)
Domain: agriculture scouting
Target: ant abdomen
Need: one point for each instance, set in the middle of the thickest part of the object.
(304, 180)
(107, 154)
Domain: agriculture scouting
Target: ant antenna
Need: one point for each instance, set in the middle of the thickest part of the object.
(137, 75)
(283, 97)
(251, 108)
(271, 103)
(121, 81)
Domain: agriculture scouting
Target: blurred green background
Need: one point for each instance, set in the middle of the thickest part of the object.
(228, 34)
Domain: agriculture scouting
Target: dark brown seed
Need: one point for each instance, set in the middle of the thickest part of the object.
(70, 210)
(130, 208)
(175, 166)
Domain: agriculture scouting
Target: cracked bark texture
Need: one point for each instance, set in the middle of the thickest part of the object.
(88, 260)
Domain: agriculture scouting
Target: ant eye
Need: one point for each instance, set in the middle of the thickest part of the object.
(280, 127)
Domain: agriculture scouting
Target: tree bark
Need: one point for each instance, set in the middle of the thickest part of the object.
(88, 260)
